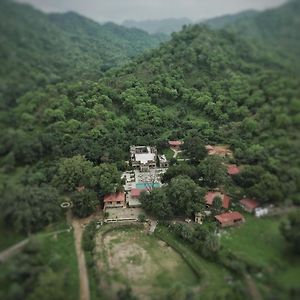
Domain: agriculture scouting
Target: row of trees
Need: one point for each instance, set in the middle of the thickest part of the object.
(202, 238)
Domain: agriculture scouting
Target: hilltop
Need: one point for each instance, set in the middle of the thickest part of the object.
(276, 29)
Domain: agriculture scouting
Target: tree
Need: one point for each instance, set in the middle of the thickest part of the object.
(195, 148)
(84, 203)
(217, 204)
(142, 218)
(73, 172)
(126, 294)
(211, 246)
(291, 231)
(184, 195)
(105, 178)
(156, 203)
(180, 169)
(213, 171)
(29, 209)
(268, 189)
(249, 176)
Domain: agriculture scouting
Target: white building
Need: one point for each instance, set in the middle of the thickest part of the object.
(143, 157)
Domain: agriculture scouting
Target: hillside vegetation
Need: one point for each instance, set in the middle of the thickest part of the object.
(206, 83)
(38, 49)
(276, 29)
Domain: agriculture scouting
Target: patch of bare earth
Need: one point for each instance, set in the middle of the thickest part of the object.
(135, 260)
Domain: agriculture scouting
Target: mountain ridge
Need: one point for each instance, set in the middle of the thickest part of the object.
(49, 48)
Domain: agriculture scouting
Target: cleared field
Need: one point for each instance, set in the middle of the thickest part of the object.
(130, 257)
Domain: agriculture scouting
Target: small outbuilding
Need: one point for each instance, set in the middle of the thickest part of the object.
(249, 205)
(230, 219)
(114, 200)
(199, 217)
(163, 162)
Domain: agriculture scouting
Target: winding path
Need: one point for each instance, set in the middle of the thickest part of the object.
(78, 226)
(13, 250)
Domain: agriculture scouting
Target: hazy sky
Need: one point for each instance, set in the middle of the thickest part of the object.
(120, 10)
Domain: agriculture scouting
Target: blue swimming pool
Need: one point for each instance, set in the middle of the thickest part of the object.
(145, 185)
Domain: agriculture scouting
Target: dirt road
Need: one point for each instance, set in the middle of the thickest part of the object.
(83, 274)
(78, 226)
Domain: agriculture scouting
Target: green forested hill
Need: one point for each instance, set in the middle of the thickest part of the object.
(278, 29)
(211, 84)
(111, 37)
(37, 49)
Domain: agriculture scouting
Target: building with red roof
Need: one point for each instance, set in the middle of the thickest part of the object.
(210, 196)
(114, 200)
(230, 219)
(135, 193)
(175, 145)
(134, 196)
(233, 169)
(249, 205)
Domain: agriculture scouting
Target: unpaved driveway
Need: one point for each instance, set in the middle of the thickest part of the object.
(83, 274)
(78, 226)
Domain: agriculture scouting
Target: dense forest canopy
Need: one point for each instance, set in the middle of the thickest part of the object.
(38, 49)
(211, 84)
(276, 29)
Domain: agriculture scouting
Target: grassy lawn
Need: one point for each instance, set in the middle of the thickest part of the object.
(59, 250)
(131, 257)
(168, 153)
(259, 242)
(212, 276)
